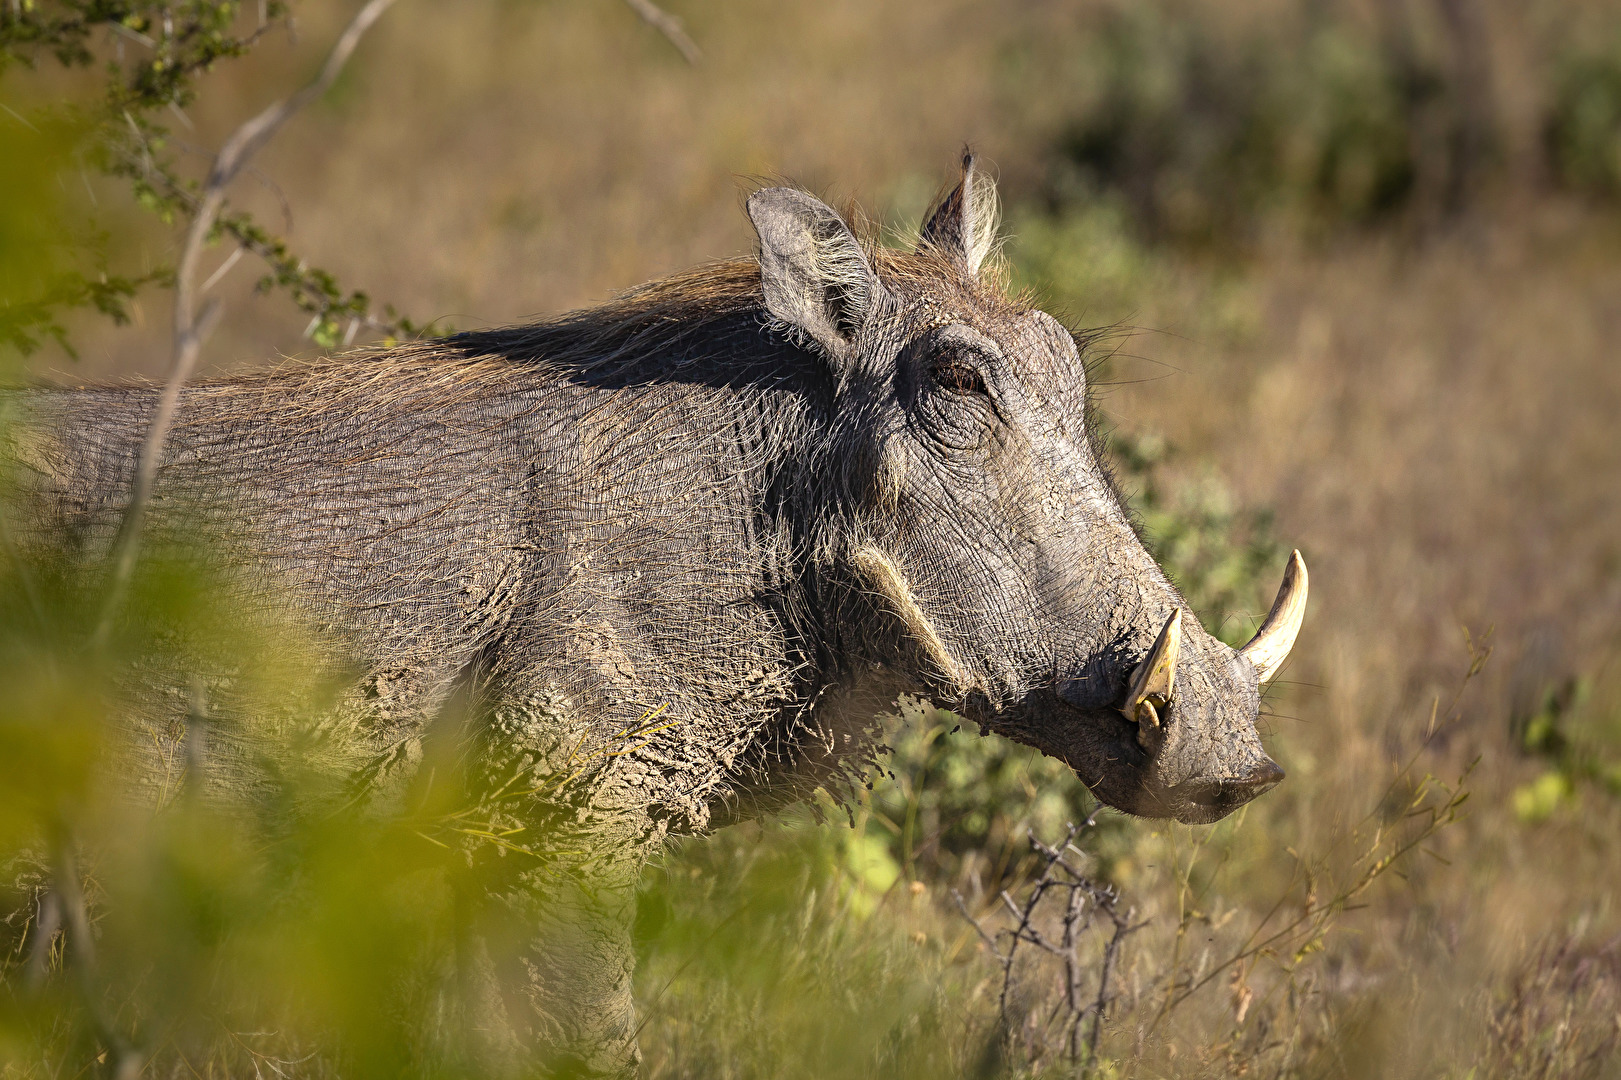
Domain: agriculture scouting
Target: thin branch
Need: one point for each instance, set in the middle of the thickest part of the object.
(191, 327)
(128, 1059)
(248, 138)
(1085, 904)
(669, 26)
(224, 268)
(990, 942)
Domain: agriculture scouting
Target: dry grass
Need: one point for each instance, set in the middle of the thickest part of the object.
(1432, 423)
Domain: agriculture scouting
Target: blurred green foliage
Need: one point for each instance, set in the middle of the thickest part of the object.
(200, 907)
(137, 60)
(1199, 134)
(199, 870)
(52, 258)
(1583, 128)
(1564, 731)
(1211, 130)
(295, 921)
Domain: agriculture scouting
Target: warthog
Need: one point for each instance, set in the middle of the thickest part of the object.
(767, 497)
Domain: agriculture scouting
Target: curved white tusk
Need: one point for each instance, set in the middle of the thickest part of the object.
(1270, 646)
(1153, 683)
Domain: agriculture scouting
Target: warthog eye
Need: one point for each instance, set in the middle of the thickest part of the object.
(958, 376)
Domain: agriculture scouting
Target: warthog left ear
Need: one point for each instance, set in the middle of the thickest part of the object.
(816, 278)
(963, 224)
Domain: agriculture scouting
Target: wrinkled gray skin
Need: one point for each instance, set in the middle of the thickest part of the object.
(664, 501)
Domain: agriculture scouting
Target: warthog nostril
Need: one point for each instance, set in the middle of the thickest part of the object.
(1229, 793)
(1266, 774)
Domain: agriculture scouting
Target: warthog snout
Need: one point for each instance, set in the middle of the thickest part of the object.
(1178, 737)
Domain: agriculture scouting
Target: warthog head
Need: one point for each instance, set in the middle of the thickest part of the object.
(986, 536)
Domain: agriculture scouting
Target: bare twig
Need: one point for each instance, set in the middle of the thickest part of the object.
(223, 269)
(669, 26)
(1084, 903)
(191, 327)
(990, 941)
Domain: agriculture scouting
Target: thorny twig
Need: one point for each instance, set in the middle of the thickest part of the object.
(192, 327)
(1085, 904)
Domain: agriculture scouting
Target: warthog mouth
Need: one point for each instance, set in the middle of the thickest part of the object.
(1201, 802)
(1103, 749)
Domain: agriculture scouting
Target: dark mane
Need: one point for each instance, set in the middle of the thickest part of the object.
(707, 324)
(663, 318)
(716, 308)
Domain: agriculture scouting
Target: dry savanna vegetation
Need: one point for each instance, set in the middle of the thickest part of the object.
(1357, 265)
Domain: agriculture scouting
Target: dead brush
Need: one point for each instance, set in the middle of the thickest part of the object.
(1100, 996)
(1065, 916)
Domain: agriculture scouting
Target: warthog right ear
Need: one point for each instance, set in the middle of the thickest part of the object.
(816, 278)
(963, 224)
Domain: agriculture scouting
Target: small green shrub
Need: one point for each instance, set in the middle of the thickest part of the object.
(1564, 728)
(1583, 130)
(1200, 133)
(770, 951)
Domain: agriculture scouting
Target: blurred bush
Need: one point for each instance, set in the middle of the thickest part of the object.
(54, 251)
(1208, 128)
(1566, 731)
(199, 871)
(149, 920)
(1582, 133)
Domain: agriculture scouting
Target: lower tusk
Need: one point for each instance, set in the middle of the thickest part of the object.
(1153, 683)
(885, 578)
(1270, 646)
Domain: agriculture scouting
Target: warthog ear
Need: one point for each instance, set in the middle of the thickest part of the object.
(816, 278)
(963, 225)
